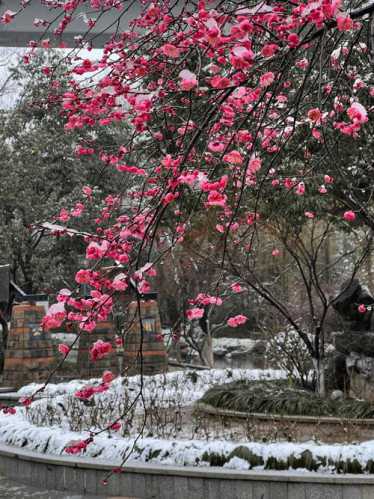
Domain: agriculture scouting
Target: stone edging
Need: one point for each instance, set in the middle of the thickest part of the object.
(151, 481)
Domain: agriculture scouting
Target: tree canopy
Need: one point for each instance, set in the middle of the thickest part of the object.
(245, 117)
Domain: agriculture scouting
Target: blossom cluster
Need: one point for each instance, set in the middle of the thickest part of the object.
(216, 91)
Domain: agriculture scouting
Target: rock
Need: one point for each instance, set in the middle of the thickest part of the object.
(259, 348)
(353, 294)
(358, 342)
(220, 352)
(353, 365)
(336, 373)
(237, 347)
(337, 395)
(237, 354)
(362, 387)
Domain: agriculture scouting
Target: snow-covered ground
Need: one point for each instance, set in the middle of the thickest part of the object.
(166, 399)
(171, 390)
(244, 350)
(185, 386)
(16, 431)
(229, 344)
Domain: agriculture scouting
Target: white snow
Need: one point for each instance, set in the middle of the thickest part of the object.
(234, 343)
(186, 387)
(236, 463)
(14, 430)
(172, 393)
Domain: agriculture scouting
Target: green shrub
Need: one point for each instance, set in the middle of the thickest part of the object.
(244, 453)
(278, 397)
(214, 459)
(304, 460)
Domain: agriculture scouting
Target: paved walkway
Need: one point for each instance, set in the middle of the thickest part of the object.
(12, 490)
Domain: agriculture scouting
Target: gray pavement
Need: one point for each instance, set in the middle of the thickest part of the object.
(13, 490)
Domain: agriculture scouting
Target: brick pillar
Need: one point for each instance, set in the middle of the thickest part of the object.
(31, 353)
(86, 367)
(148, 352)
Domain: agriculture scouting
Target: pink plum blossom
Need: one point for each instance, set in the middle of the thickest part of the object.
(215, 198)
(357, 113)
(236, 288)
(267, 79)
(100, 349)
(194, 313)
(349, 216)
(7, 17)
(233, 157)
(63, 349)
(237, 320)
(170, 50)
(188, 80)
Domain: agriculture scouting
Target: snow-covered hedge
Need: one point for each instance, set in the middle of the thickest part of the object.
(185, 387)
(189, 384)
(14, 430)
(172, 392)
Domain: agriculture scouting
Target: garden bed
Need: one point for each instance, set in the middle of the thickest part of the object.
(278, 397)
(278, 427)
(46, 427)
(276, 411)
(338, 458)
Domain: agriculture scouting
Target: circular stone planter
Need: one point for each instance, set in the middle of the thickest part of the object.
(295, 428)
(143, 481)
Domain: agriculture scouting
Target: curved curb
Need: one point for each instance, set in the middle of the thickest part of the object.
(295, 428)
(210, 409)
(151, 481)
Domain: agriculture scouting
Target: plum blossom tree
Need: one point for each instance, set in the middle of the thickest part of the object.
(193, 299)
(314, 280)
(216, 95)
